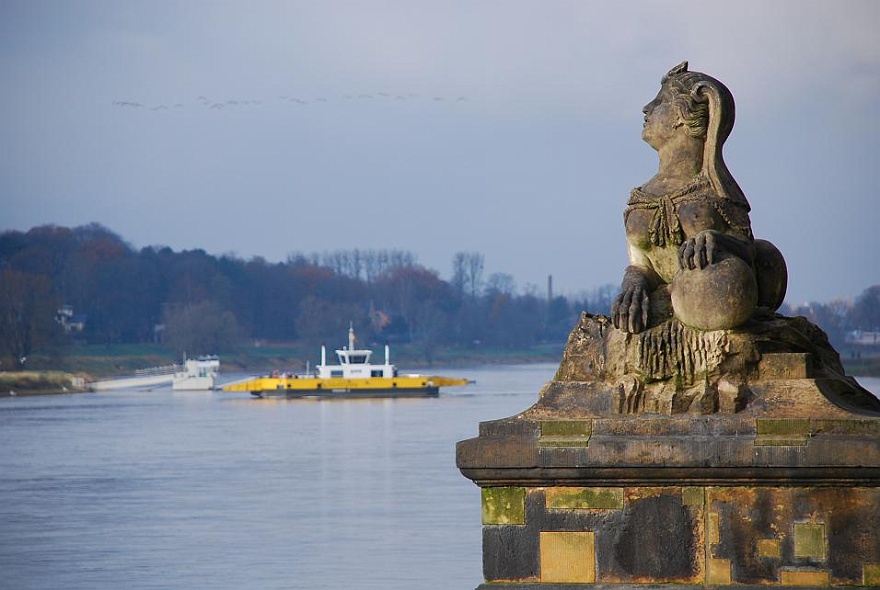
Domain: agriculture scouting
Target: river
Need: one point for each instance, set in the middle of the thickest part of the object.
(172, 490)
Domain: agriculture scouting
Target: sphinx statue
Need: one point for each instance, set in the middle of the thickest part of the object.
(695, 322)
(691, 250)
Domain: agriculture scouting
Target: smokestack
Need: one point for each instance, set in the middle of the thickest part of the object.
(549, 288)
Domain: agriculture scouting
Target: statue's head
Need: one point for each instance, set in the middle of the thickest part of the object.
(701, 101)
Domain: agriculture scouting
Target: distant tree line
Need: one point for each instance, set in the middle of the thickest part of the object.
(61, 285)
(86, 284)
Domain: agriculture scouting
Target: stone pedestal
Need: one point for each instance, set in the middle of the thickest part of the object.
(767, 475)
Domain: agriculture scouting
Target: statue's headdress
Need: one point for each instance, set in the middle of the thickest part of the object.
(705, 89)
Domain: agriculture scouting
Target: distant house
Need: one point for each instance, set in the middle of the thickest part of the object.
(72, 324)
(863, 338)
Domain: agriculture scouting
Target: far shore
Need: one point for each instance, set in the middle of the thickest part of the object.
(53, 382)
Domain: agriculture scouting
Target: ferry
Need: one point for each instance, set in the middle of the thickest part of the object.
(353, 376)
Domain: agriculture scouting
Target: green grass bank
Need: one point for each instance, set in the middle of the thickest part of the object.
(14, 383)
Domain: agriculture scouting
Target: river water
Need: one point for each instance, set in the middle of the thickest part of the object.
(174, 490)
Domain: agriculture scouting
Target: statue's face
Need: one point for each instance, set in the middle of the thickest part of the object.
(660, 119)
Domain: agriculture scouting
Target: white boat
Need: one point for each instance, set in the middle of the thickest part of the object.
(199, 374)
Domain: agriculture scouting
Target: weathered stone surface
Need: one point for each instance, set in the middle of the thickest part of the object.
(741, 535)
(749, 536)
(729, 286)
(673, 369)
(771, 274)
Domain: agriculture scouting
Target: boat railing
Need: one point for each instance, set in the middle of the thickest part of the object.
(163, 370)
(283, 375)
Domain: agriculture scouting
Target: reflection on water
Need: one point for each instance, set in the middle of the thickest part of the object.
(192, 490)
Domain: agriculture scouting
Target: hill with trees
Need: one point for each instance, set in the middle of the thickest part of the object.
(64, 287)
(60, 287)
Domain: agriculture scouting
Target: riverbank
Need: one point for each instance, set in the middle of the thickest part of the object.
(80, 365)
(13, 383)
(101, 362)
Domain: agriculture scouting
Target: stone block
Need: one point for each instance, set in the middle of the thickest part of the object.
(568, 557)
(713, 531)
(504, 505)
(565, 433)
(782, 432)
(785, 365)
(817, 578)
(718, 572)
(584, 498)
(809, 540)
(768, 548)
(693, 496)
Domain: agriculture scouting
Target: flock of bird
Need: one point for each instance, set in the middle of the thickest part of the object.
(205, 102)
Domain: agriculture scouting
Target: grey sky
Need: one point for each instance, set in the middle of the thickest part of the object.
(509, 128)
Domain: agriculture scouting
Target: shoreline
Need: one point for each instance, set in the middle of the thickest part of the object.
(60, 382)
(56, 382)
(51, 382)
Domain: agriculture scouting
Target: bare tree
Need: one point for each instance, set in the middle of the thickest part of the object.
(475, 265)
(200, 328)
(467, 273)
(501, 282)
(27, 311)
(459, 273)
